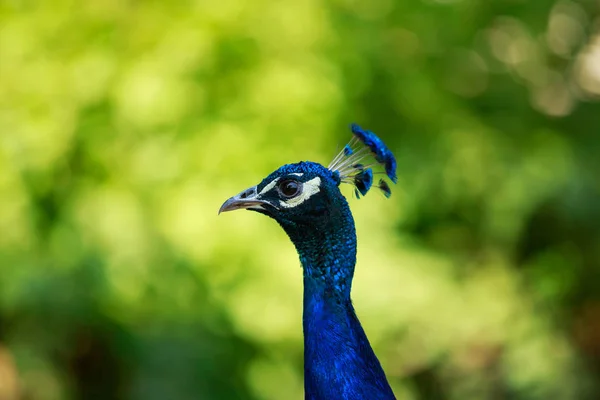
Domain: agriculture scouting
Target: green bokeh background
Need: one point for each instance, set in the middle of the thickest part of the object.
(125, 124)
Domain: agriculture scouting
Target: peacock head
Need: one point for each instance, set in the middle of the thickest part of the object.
(306, 195)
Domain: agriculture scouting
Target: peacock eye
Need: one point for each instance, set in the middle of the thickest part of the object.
(290, 188)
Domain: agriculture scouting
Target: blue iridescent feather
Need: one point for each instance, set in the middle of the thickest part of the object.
(382, 154)
(385, 188)
(349, 163)
(364, 180)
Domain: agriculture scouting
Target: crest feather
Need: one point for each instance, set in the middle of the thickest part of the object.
(349, 166)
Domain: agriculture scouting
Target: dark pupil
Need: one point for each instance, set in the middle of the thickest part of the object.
(289, 188)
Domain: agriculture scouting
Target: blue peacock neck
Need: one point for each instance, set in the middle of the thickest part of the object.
(328, 256)
(326, 244)
(338, 359)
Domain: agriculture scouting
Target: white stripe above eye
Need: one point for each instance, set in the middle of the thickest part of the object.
(270, 186)
(309, 189)
(296, 173)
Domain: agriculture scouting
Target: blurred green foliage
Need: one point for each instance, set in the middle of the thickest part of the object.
(125, 125)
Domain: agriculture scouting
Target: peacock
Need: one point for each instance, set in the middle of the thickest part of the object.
(305, 199)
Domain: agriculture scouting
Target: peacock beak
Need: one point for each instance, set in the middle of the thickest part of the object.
(249, 198)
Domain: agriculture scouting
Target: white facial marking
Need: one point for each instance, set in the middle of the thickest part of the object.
(270, 186)
(297, 173)
(308, 190)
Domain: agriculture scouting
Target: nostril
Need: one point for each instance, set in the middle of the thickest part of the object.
(247, 193)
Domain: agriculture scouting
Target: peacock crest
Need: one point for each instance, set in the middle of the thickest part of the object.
(354, 164)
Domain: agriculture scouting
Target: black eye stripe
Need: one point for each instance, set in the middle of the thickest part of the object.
(289, 188)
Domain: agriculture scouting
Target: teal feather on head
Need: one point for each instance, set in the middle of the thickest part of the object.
(383, 155)
(350, 169)
(385, 188)
(347, 150)
(364, 180)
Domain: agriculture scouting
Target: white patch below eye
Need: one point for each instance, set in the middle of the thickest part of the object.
(309, 189)
(270, 186)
